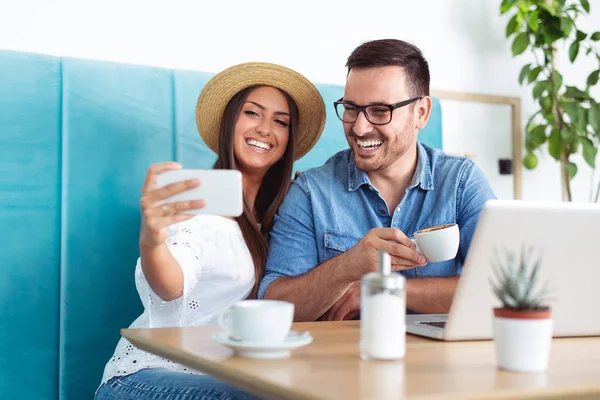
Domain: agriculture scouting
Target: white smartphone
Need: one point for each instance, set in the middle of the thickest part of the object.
(221, 190)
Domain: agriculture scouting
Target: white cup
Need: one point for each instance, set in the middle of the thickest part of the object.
(266, 321)
(438, 243)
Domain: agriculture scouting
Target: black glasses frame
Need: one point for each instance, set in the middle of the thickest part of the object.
(363, 109)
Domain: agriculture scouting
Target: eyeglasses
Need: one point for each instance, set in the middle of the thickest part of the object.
(376, 114)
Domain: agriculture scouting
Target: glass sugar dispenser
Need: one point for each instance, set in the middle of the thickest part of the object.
(383, 313)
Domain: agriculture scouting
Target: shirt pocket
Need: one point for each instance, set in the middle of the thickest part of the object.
(337, 242)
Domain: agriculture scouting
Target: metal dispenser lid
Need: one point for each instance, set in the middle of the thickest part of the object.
(384, 278)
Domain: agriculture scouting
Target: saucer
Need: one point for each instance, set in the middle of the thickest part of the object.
(264, 350)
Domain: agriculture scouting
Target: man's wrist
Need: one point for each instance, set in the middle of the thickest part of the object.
(346, 267)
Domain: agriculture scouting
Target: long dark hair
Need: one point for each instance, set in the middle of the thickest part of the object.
(273, 188)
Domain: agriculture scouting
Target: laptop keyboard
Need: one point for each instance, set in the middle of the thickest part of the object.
(436, 324)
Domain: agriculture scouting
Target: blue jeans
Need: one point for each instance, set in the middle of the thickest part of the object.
(162, 384)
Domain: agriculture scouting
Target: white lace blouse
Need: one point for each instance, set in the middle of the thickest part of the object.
(218, 271)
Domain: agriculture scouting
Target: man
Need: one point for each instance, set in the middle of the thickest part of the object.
(373, 196)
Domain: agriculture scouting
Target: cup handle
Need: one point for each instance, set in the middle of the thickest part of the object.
(223, 321)
(416, 245)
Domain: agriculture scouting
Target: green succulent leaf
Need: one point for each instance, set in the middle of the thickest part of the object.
(515, 280)
(595, 36)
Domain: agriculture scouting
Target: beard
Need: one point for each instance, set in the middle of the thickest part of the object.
(388, 153)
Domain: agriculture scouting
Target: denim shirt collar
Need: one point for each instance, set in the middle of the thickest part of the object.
(422, 177)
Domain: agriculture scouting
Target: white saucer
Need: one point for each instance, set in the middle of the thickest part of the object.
(264, 350)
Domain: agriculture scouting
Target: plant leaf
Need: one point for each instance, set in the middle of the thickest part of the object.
(571, 169)
(548, 7)
(586, 5)
(573, 144)
(589, 151)
(532, 21)
(593, 78)
(538, 134)
(571, 108)
(513, 25)
(573, 51)
(533, 280)
(566, 25)
(594, 117)
(565, 133)
(541, 293)
(595, 36)
(524, 73)
(558, 79)
(520, 43)
(575, 93)
(582, 121)
(555, 144)
(507, 5)
(546, 103)
(533, 74)
(581, 35)
(539, 88)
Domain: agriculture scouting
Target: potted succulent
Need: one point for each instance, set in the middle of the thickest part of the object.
(523, 325)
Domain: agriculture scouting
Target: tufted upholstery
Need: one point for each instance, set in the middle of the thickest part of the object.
(76, 138)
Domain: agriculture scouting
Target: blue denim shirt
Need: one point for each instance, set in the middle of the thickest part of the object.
(330, 208)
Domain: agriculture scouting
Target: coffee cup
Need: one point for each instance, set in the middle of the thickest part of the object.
(438, 243)
(265, 321)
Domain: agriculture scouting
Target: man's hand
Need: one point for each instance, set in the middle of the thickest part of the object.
(364, 256)
(347, 307)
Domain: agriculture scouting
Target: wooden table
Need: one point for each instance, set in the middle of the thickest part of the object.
(330, 367)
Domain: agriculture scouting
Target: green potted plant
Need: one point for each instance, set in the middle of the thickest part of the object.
(523, 324)
(567, 117)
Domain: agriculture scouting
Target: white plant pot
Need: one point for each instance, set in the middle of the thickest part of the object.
(523, 344)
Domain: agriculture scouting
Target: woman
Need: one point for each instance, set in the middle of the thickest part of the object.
(258, 118)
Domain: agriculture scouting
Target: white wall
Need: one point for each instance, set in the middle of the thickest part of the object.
(463, 41)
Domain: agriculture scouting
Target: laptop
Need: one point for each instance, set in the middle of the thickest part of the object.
(568, 234)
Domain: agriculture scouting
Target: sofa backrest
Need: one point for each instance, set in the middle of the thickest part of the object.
(76, 139)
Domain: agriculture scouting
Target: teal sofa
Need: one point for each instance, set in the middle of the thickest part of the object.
(76, 138)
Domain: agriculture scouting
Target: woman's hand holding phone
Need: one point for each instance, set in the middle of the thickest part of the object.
(157, 214)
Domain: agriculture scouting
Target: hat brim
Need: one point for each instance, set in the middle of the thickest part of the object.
(222, 87)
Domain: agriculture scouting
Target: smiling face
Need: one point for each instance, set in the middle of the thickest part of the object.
(376, 147)
(262, 130)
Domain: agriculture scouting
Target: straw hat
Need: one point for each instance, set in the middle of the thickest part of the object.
(223, 86)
